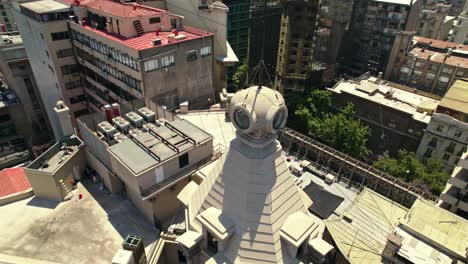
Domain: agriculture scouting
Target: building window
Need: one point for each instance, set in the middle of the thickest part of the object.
(191, 55)
(68, 69)
(151, 65)
(446, 157)
(167, 61)
(458, 133)
(205, 51)
(183, 160)
(459, 73)
(181, 257)
(77, 99)
(430, 76)
(433, 142)
(155, 20)
(211, 242)
(447, 70)
(59, 35)
(443, 79)
(440, 128)
(428, 153)
(73, 84)
(451, 147)
(64, 53)
(420, 64)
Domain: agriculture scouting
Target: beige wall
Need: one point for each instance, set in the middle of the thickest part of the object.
(166, 204)
(112, 182)
(47, 185)
(145, 207)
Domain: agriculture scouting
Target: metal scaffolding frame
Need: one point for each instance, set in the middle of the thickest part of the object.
(353, 172)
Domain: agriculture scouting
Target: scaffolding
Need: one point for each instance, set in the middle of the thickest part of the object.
(347, 169)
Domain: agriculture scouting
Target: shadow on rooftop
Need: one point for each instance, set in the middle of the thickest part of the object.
(122, 214)
(39, 202)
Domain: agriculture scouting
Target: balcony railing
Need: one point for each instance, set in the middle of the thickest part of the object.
(187, 171)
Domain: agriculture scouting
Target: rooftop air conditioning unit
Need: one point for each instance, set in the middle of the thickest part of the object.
(134, 132)
(122, 124)
(148, 115)
(147, 127)
(160, 122)
(120, 137)
(135, 119)
(107, 130)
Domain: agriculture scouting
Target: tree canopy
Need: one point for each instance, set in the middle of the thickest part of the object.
(239, 78)
(342, 131)
(428, 175)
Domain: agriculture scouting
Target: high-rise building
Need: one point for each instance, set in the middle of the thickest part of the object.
(446, 136)
(428, 65)
(110, 51)
(372, 32)
(309, 56)
(457, 7)
(18, 76)
(299, 24)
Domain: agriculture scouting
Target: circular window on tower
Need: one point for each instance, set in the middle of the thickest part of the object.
(280, 119)
(242, 118)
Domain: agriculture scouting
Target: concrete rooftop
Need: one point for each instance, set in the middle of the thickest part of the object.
(214, 123)
(56, 155)
(90, 230)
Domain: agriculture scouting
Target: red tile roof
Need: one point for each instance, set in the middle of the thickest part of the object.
(144, 41)
(439, 57)
(13, 180)
(118, 8)
(440, 43)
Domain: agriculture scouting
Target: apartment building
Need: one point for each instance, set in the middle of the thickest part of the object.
(115, 52)
(145, 153)
(372, 32)
(457, 7)
(46, 38)
(397, 115)
(431, 20)
(18, 76)
(459, 31)
(426, 64)
(296, 45)
(455, 195)
(309, 57)
(446, 136)
(210, 16)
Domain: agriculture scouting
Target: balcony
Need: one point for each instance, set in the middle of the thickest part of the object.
(463, 204)
(459, 178)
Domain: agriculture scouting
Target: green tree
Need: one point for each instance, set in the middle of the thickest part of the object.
(428, 175)
(341, 131)
(239, 78)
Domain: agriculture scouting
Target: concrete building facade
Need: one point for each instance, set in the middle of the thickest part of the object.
(372, 33)
(397, 115)
(46, 38)
(446, 136)
(210, 16)
(455, 195)
(428, 65)
(459, 31)
(19, 77)
(299, 24)
(431, 20)
(457, 7)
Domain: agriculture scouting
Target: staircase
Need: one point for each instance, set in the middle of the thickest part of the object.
(138, 27)
(66, 189)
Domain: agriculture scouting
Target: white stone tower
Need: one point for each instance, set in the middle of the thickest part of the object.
(248, 209)
(63, 114)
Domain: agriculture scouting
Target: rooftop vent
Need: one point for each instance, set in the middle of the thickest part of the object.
(156, 42)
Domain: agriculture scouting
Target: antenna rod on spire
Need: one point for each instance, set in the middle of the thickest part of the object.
(260, 76)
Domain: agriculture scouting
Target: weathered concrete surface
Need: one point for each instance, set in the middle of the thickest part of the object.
(76, 231)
